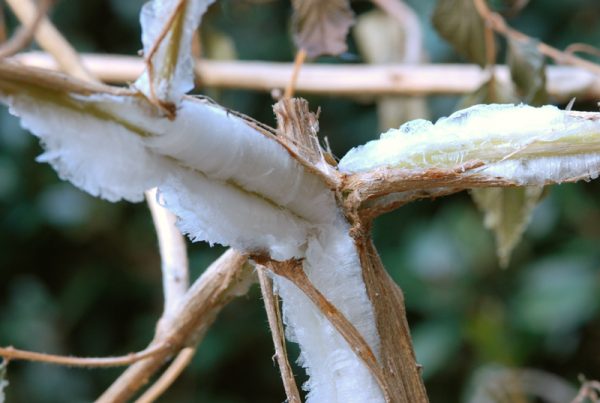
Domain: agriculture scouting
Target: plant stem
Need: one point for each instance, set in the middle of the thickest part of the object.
(338, 80)
(276, 326)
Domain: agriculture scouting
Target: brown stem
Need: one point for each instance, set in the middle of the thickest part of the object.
(167, 378)
(497, 23)
(582, 48)
(399, 366)
(225, 279)
(50, 39)
(24, 34)
(276, 326)
(290, 88)
(10, 353)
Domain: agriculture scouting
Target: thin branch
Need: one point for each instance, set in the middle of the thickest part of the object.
(582, 48)
(50, 39)
(173, 253)
(170, 375)
(497, 23)
(563, 82)
(10, 353)
(293, 271)
(24, 34)
(3, 34)
(225, 279)
(590, 390)
(276, 326)
(290, 88)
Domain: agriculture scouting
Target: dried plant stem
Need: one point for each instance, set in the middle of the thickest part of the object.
(24, 34)
(10, 353)
(563, 82)
(50, 39)
(290, 88)
(582, 48)
(173, 253)
(590, 390)
(169, 376)
(497, 23)
(399, 366)
(276, 326)
(293, 271)
(225, 279)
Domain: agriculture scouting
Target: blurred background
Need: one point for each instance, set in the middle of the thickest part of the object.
(81, 276)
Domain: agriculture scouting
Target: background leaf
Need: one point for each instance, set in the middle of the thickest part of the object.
(458, 22)
(507, 211)
(528, 71)
(381, 39)
(320, 27)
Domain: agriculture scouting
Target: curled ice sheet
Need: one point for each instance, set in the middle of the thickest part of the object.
(227, 182)
(101, 157)
(513, 142)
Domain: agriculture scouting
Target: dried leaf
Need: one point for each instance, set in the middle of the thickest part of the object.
(507, 212)
(320, 26)
(528, 71)
(458, 22)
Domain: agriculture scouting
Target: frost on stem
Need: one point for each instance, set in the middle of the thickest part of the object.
(521, 144)
(335, 373)
(168, 27)
(228, 183)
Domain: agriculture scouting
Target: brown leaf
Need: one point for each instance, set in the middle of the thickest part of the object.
(320, 26)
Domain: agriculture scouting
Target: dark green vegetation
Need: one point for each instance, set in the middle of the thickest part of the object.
(81, 276)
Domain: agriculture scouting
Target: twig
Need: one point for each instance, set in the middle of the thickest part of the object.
(589, 390)
(274, 318)
(3, 34)
(293, 271)
(50, 39)
(10, 353)
(582, 48)
(173, 253)
(564, 82)
(290, 88)
(170, 375)
(497, 23)
(24, 34)
(225, 279)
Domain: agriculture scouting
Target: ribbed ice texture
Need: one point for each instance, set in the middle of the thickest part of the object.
(213, 211)
(501, 136)
(337, 375)
(221, 145)
(154, 17)
(100, 157)
(119, 150)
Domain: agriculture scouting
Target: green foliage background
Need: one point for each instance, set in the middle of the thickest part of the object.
(81, 276)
